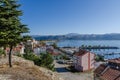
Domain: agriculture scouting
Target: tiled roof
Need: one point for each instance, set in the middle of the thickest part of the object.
(54, 53)
(17, 48)
(115, 60)
(118, 78)
(81, 52)
(100, 69)
(107, 73)
(111, 74)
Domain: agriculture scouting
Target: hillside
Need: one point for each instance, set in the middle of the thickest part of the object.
(75, 36)
(24, 70)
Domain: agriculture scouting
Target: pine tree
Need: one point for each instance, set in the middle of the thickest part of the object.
(10, 26)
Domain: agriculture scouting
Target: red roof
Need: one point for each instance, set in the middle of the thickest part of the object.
(54, 53)
(81, 52)
(100, 69)
(118, 78)
(115, 60)
(107, 73)
(17, 48)
(111, 74)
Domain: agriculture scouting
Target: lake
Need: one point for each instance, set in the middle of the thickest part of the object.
(107, 53)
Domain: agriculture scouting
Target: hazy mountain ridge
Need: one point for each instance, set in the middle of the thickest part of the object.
(75, 36)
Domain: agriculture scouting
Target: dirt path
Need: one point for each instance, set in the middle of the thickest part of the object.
(66, 75)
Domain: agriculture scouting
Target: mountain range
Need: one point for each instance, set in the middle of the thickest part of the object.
(76, 36)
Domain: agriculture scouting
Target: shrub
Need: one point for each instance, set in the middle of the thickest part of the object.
(19, 55)
(44, 60)
(2, 52)
(65, 57)
(30, 56)
(47, 61)
(99, 58)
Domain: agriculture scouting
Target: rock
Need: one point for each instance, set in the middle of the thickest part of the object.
(18, 61)
(5, 77)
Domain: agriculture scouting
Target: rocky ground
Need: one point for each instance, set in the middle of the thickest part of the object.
(24, 70)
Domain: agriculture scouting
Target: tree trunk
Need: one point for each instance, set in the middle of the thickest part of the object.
(4, 48)
(10, 61)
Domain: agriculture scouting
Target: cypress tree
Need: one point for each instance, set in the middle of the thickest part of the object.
(11, 28)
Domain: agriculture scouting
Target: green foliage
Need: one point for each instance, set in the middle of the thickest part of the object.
(28, 48)
(27, 37)
(47, 61)
(44, 60)
(65, 57)
(19, 55)
(42, 43)
(2, 52)
(29, 56)
(54, 45)
(99, 58)
(11, 27)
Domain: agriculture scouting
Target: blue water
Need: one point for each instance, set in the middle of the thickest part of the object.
(78, 43)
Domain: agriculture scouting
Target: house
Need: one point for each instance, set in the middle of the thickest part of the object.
(83, 60)
(42, 49)
(39, 49)
(108, 71)
(31, 44)
(18, 49)
(55, 54)
(69, 50)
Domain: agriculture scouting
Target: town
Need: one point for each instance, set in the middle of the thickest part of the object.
(60, 40)
(73, 61)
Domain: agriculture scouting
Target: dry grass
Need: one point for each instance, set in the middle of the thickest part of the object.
(22, 71)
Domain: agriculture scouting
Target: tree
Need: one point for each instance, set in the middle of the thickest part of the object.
(65, 57)
(42, 43)
(26, 38)
(28, 47)
(30, 56)
(10, 26)
(47, 60)
(82, 46)
(54, 45)
(99, 58)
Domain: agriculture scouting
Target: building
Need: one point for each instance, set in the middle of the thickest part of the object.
(18, 49)
(31, 44)
(108, 71)
(39, 49)
(83, 60)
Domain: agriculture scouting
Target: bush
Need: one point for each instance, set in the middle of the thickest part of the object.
(54, 45)
(47, 61)
(99, 58)
(65, 57)
(44, 60)
(2, 52)
(30, 56)
(19, 55)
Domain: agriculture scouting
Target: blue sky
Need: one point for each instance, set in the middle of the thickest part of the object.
(53, 17)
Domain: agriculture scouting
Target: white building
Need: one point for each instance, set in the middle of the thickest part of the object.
(38, 50)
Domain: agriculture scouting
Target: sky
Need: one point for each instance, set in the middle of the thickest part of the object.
(55, 17)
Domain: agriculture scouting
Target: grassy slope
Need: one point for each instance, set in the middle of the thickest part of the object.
(22, 70)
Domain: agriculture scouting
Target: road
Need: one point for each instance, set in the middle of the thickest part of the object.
(66, 75)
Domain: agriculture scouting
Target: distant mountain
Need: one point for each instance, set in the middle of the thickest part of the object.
(75, 36)
(72, 34)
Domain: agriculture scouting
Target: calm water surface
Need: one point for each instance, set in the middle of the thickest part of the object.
(107, 53)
